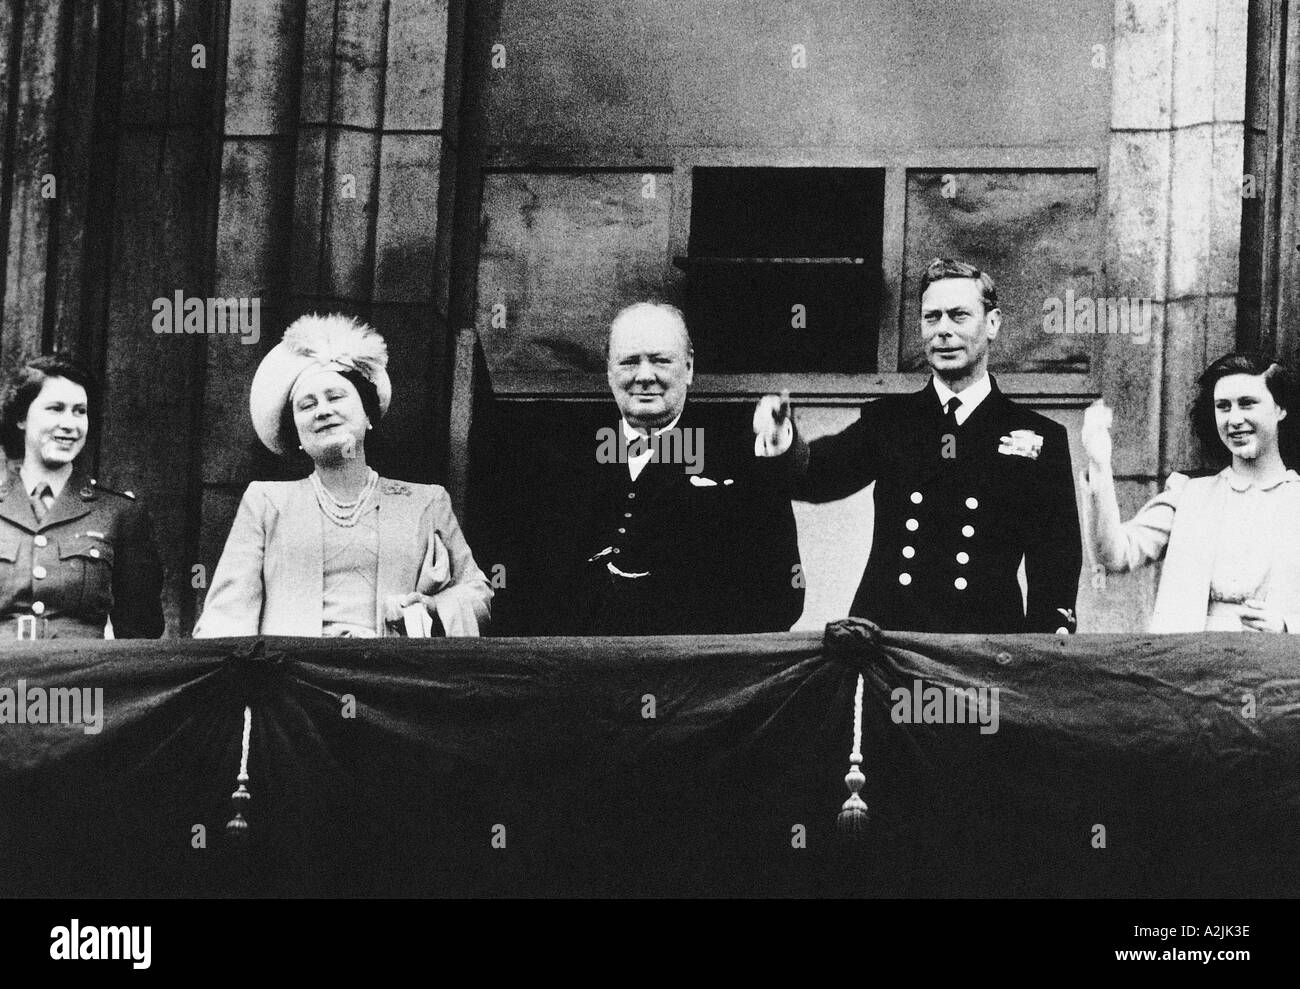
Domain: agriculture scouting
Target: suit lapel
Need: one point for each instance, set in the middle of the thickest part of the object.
(992, 424)
(15, 506)
(301, 522)
(977, 437)
(989, 410)
(389, 535)
(658, 473)
(399, 543)
(924, 448)
(1184, 591)
(73, 501)
(608, 478)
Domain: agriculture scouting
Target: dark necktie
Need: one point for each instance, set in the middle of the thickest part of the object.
(950, 414)
(40, 506)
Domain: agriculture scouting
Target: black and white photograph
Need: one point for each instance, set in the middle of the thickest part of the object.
(650, 450)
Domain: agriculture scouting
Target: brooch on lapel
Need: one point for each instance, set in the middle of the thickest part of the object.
(1021, 443)
(395, 488)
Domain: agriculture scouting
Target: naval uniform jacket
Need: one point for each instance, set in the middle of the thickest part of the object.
(950, 532)
(92, 558)
(271, 576)
(720, 546)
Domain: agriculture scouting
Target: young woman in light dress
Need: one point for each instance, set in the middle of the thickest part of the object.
(1230, 542)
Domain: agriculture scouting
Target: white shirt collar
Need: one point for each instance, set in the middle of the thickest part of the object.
(56, 485)
(970, 398)
(1239, 483)
(631, 435)
(636, 462)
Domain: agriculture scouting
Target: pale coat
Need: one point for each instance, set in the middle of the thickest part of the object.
(1180, 525)
(270, 580)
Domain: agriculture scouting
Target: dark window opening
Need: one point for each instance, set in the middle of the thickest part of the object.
(783, 272)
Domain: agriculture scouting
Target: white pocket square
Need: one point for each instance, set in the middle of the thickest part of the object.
(702, 482)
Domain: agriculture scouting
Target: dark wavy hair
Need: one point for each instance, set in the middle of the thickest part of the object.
(26, 384)
(941, 268)
(1281, 383)
(369, 396)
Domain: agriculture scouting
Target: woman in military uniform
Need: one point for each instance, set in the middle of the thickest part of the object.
(73, 554)
(343, 552)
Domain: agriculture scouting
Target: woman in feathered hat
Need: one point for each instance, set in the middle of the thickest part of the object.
(342, 552)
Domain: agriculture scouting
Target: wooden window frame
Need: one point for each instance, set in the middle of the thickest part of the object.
(1044, 389)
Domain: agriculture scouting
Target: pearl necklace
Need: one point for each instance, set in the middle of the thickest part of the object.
(343, 513)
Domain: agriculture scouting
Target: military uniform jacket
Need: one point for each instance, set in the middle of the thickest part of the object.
(92, 558)
(951, 531)
(719, 546)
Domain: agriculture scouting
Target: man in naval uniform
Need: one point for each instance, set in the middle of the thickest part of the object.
(664, 522)
(968, 483)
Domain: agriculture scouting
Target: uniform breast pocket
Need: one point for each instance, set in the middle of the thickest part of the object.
(86, 565)
(8, 547)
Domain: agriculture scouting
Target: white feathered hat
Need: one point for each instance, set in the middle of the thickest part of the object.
(336, 343)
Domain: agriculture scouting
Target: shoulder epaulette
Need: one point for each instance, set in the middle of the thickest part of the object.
(96, 486)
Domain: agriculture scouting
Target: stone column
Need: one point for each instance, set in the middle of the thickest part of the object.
(1173, 236)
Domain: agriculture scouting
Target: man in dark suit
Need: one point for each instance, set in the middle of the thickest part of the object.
(968, 483)
(662, 522)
